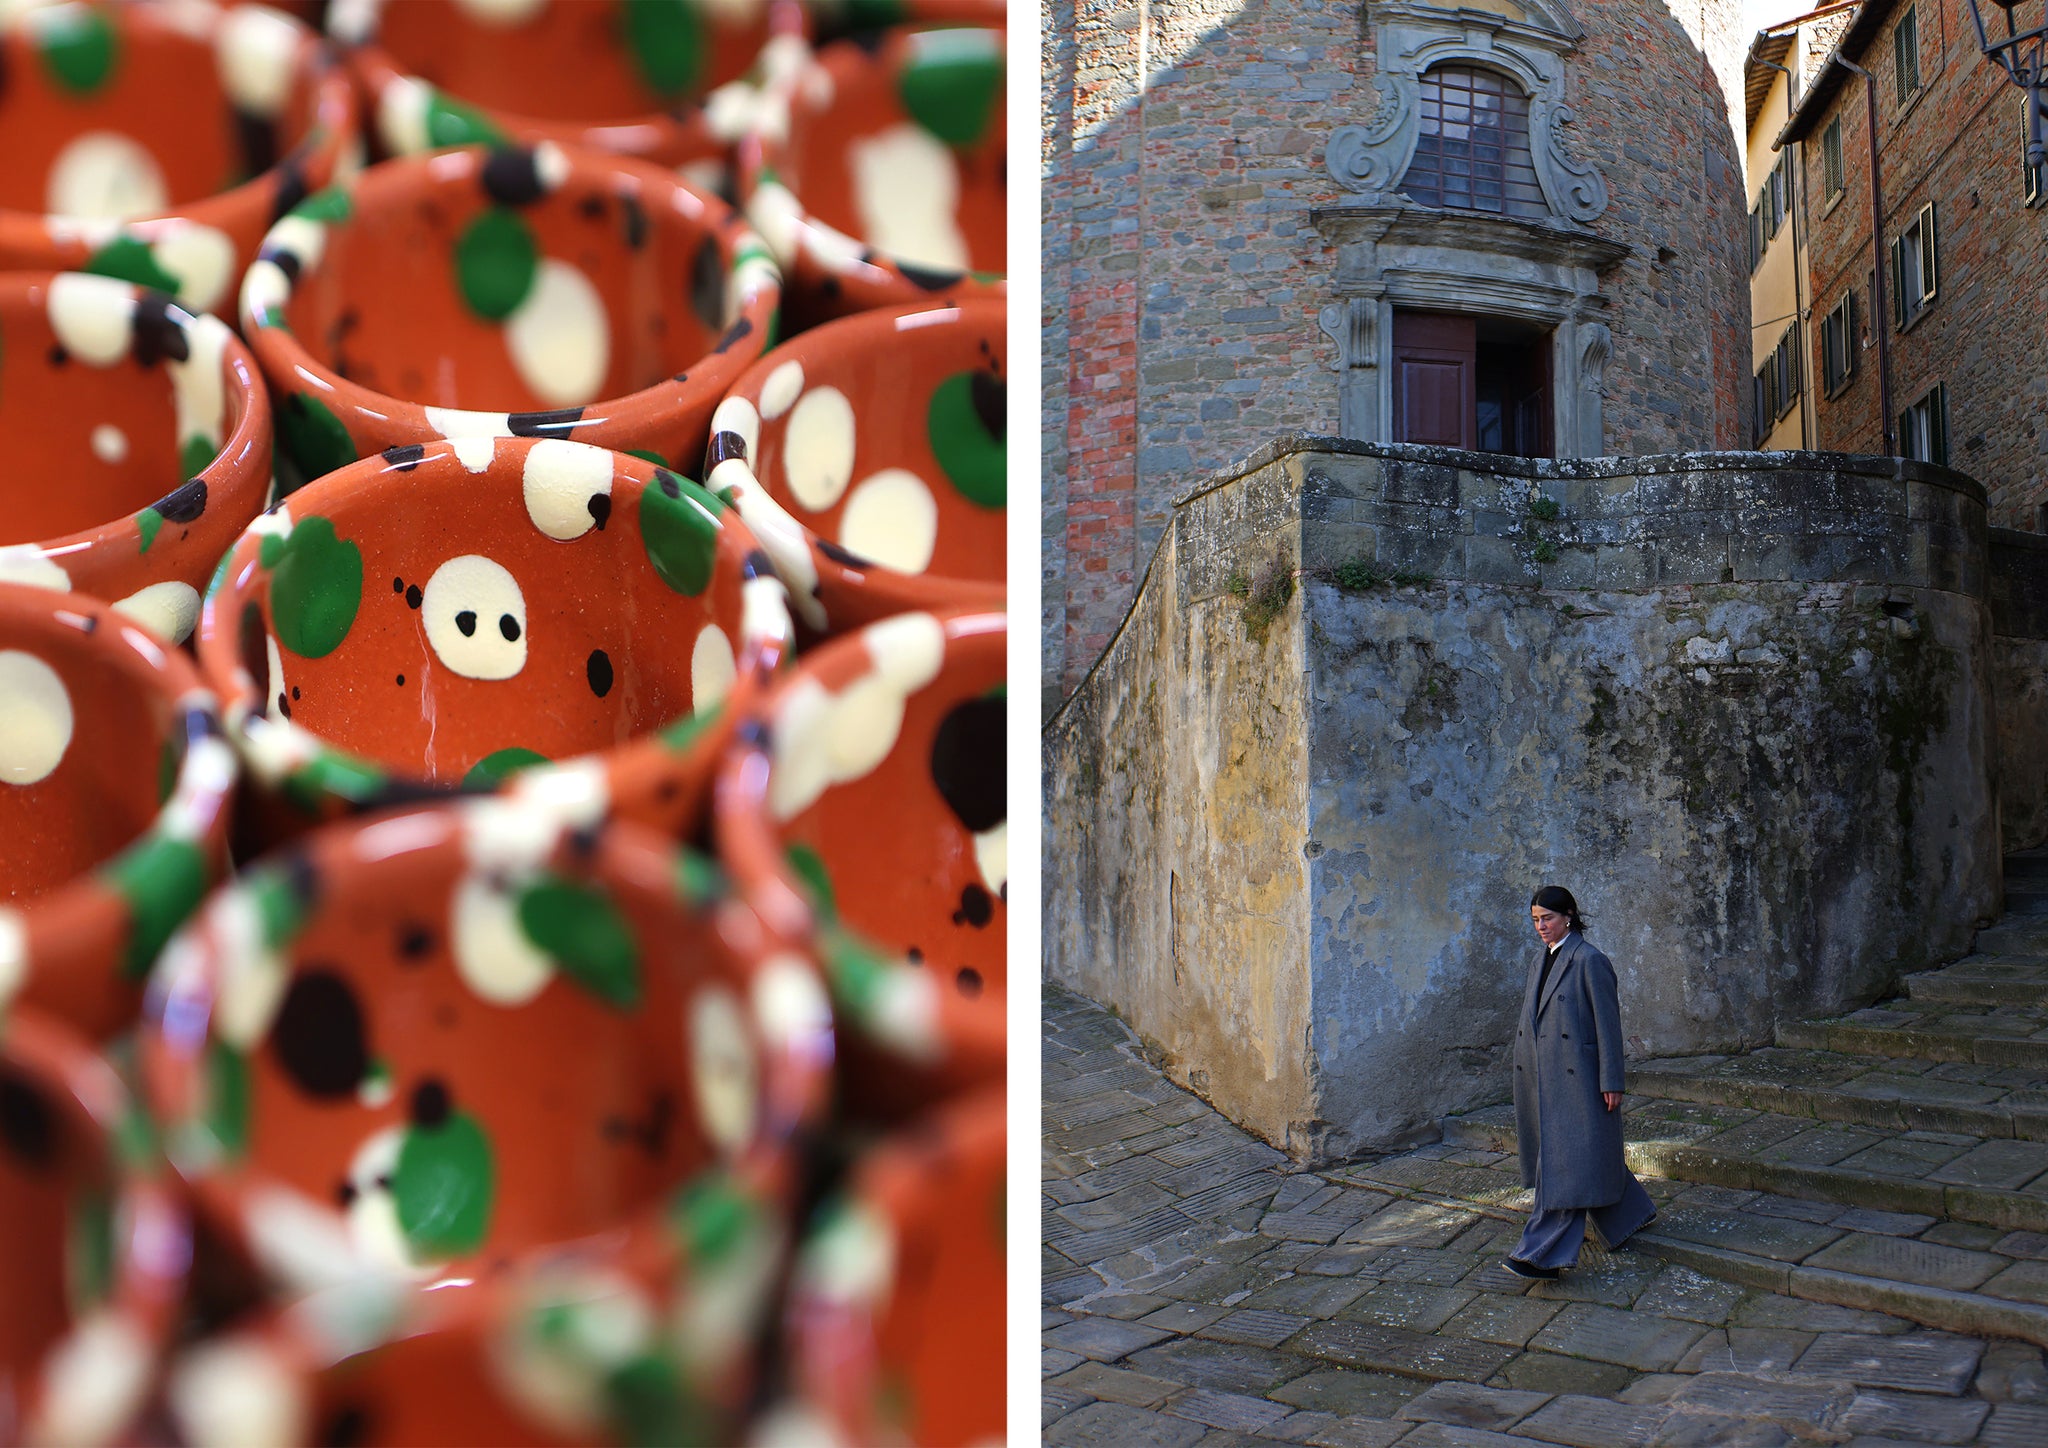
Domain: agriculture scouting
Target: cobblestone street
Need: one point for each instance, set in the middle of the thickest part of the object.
(1200, 1289)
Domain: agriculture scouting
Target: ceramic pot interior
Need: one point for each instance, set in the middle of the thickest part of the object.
(95, 437)
(906, 149)
(90, 744)
(437, 291)
(419, 616)
(887, 437)
(110, 112)
(574, 60)
(912, 851)
(467, 1058)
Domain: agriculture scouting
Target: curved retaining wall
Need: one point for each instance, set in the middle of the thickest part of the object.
(1740, 703)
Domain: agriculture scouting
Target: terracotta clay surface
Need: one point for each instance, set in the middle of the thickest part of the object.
(628, 76)
(158, 143)
(139, 444)
(443, 616)
(867, 455)
(512, 292)
(114, 790)
(431, 1042)
(93, 1261)
(911, 1350)
(864, 809)
(886, 186)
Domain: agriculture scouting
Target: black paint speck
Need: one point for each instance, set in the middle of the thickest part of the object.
(976, 908)
(318, 1038)
(969, 982)
(598, 669)
(466, 622)
(509, 627)
(27, 1123)
(968, 757)
(430, 1103)
(412, 596)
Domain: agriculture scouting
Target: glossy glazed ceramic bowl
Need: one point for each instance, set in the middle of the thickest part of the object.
(513, 292)
(894, 1330)
(884, 185)
(867, 456)
(426, 1044)
(626, 76)
(93, 1262)
(139, 444)
(114, 791)
(862, 810)
(157, 143)
(440, 616)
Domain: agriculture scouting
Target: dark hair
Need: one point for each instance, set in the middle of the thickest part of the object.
(1559, 899)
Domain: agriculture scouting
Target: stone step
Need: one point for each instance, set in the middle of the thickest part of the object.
(2026, 865)
(2005, 1035)
(2026, 899)
(1990, 980)
(1950, 1176)
(2022, 935)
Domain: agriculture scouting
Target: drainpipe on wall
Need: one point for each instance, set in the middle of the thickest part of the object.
(1807, 420)
(1881, 313)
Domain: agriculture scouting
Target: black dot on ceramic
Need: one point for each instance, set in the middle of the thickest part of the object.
(412, 596)
(415, 943)
(401, 681)
(58, 356)
(969, 982)
(430, 1103)
(28, 1126)
(598, 669)
(915, 955)
(509, 627)
(600, 506)
(976, 908)
(318, 1037)
(344, 1193)
(968, 755)
(466, 622)
(284, 706)
(398, 585)
(346, 1427)
(295, 693)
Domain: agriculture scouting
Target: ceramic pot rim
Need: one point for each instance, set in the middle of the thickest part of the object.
(241, 928)
(294, 248)
(802, 559)
(904, 1008)
(314, 159)
(237, 479)
(279, 752)
(191, 822)
(795, 236)
(152, 1241)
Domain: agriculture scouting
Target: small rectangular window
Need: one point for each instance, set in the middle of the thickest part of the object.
(1831, 158)
(1785, 370)
(1906, 55)
(1915, 268)
(1838, 345)
(1756, 235)
(1923, 427)
(2030, 176)
(1763, 409)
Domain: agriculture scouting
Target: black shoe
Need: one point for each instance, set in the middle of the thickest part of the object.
(1531, 1271)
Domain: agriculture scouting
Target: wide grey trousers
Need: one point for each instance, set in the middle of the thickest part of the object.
(1553, 1237)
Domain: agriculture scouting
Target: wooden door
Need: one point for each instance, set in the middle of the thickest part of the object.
(1434, 360)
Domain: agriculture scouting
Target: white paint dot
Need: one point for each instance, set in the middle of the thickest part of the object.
(712, 668)
(201, 257)
(109, 443)
(35, 718)
(892, 519)
(105, 176)
(906, 190)
(237, 1393)
(992, 856)
(501, 13)
(560, 480)
(258, 51)
(92, 316)
(475, 618)
(169, 609)
(373, 1225)
(560, 337)
(817, 448)
(492, 954)
(789, 1001)
(26, 564)
(781, 388)
(402, 115)
(93, 1381)
(13, 952)
(737, 416)
(722, 1064)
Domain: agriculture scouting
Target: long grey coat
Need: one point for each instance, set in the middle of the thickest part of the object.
(1568, 1051)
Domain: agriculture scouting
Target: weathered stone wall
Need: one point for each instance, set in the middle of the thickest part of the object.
(2019, 662)
(1739, 703)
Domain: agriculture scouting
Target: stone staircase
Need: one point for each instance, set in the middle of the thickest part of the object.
(1895, 1158)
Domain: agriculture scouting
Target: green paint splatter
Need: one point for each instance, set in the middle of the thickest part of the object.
(698, 879)
(680, 734)
(89, 1250)
(129, 259)
(679, 525)
(873, 14)
(270, 549)
(855, 971)
(148, 521)
(951, 89)
(325, 207)
(965, 424)
(168, 761)
(162, 880)
(667, 42)
(893, 1397)
(315, 589)
(487, 772)
(196, 454)
(227, 1097)
(583, 933)
(647, 1406)
(649, 454)
(810, 869)
(496, 260)
(442, 1186)
(79, 47)
(450, 122)
(280, 903)
(711, 1215)
(336, 775)
(313, 436)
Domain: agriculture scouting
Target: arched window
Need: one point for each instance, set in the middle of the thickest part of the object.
(1472, 144)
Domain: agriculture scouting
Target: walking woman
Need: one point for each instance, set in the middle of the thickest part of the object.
(1568, 1087)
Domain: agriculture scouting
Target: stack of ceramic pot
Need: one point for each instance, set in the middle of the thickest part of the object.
(502, 819)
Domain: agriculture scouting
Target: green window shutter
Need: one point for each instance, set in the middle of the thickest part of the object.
(1905, 435)
(1937, 424)
(1831, 156)
(1895, 263)
(1929, 270)
(2030, 176)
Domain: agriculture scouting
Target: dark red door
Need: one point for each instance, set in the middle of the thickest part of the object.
(1434, 361)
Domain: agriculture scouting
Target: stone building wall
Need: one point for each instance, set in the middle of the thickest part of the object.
(1184, 277)
(2019, 617)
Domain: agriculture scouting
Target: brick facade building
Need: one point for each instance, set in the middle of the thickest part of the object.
(1965, 251)
(1217, 273)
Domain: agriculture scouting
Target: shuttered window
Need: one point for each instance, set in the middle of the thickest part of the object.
(1923, 427)
(1915, 268)
(1831, 158)
(1838, 345)
(1906, 55)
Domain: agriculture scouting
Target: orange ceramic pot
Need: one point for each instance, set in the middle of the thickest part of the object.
(867, 456)
(157, 143)
(114, 791)
(440, 616)
(895, 1321)
(576, 296)
(885, 185)
(140, 444)
(862, 810)
(93, 1261)
(428, 1044)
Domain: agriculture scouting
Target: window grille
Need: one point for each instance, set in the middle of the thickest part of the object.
(1473, 150)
